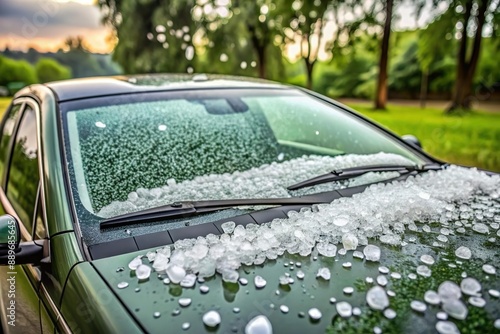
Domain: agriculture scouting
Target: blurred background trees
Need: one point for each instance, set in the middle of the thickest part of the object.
(342, 48)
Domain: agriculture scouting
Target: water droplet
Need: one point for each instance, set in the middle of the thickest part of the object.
(122, 285)
(314, 314)
(120, 269)
(211, 319)
(259, 325)
(259, 282)
(184, 302)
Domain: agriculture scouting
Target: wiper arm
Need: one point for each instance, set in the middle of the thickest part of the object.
(344, 174)
(189, 208)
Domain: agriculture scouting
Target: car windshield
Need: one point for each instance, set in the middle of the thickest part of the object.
(127, 153)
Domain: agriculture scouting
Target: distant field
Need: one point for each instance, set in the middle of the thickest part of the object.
(473, 139)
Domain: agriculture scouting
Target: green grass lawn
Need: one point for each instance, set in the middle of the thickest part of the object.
(472, 139)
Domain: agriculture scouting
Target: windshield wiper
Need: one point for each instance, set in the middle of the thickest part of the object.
(190, 208)
(344, 174)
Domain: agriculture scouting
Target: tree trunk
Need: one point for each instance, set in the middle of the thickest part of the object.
(381, 96)
(424, 84)
(466, 69)
(309, 72)
(261, 56)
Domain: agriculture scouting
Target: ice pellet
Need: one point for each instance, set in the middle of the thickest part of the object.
(344, 309)
(377, 298)
(463, 252)
(324, 273)
(447, 327)
(489, 269)
(431, 297)
(211, 319)
(175, 273)
(259, 325)
(372, 253)
(427, 259)
(314, 314)
(122, 285)
(418, 306)
(470, 286)
(142, 272)
(184, 302)
(259, 282)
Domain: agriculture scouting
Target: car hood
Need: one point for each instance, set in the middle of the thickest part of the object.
(288, 307)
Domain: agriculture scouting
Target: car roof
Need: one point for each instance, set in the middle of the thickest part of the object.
(104, 86)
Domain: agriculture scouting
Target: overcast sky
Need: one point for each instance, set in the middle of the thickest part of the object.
(44, 24)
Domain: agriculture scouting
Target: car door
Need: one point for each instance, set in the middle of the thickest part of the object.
(20, 196)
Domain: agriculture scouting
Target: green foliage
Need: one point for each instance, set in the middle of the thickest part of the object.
(50, 70)
(472, 139)
(19, 71)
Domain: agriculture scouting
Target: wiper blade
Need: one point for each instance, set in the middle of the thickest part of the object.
(190, 208)
(344, 174)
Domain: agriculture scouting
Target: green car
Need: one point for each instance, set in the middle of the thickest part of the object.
(172, 203)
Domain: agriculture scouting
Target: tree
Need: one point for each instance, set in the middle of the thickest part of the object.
(381, 94)
(16, 71)
(465, 22)
(50, 70)
(154, 36)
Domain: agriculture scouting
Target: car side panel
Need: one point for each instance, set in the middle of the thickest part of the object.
(19, 301)
(89, 306)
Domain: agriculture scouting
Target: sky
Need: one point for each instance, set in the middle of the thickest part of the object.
(45, 24)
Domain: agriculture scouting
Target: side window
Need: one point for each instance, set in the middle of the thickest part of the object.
(23, 176)
(7, 132)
